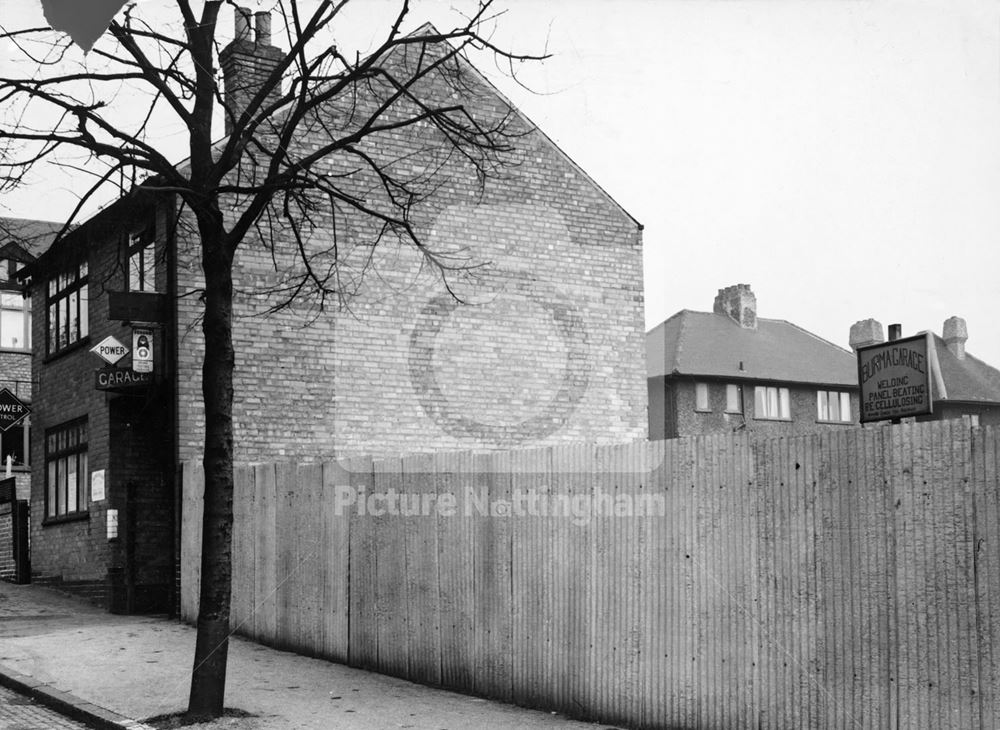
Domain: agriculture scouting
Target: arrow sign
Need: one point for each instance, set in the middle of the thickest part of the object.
(110, 350)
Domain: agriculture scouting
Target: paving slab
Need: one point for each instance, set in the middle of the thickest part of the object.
(138, 667)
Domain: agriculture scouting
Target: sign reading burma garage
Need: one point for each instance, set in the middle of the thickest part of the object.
(895, 379)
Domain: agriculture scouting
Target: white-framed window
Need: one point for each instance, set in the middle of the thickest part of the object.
(15, 321)
(142, 261)
(66, 469)
(734, 399)
(832, 405)
(701, 397)
(15, 443)
(771, 402)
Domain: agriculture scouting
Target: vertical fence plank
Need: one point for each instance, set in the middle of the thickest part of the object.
(242, 595)
(421, 580)
(986, 485)
(338, 487)
(390, 572)
(192, 509)
(455, 569)
(309, 571)
(265, 617)
(363, 629)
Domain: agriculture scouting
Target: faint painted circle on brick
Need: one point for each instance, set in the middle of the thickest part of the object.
(556, 396)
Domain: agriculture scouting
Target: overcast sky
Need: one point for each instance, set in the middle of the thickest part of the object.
(842, 158)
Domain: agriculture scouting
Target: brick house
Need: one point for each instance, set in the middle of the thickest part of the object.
(546, 347)
(21, 241)
(968, 387)
(729, 370)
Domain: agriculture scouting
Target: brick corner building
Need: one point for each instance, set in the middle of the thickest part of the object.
(542, 345)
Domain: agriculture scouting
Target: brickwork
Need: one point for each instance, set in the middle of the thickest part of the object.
(543, 344)
(547, 346)
(78, 552)
(688, 421)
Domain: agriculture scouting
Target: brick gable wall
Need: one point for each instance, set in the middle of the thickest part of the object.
(546, 346)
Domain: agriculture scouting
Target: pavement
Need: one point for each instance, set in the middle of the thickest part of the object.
(111, 671)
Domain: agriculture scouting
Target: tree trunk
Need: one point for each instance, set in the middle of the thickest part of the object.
(208, 680)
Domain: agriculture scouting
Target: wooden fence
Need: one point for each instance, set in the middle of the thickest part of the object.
(843, 580)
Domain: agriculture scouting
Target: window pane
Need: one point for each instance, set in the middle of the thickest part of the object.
(701, 396)
(63, 319)
(149, 267)
(11, 328)
(135, 271)
(51, 509)
(74, 316)
(72, 488)
(821, 409)
(785, 410)
(11, 301)
(835, 407)
(61, 486)
(758, 402)
(772, 403)
(83, 269)
(84, 480)
(53, 327)
(12, 445)
(84, 311)
(733, 398)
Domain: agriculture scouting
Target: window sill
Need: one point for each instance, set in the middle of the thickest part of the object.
(733, 413)
(16, 350)
(82, 342)
(63, 519)
(702, 410)
(835, 423)
(768, 418)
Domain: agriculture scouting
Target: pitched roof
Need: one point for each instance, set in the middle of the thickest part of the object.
(20, 236)
(713, 345)
(968, 379)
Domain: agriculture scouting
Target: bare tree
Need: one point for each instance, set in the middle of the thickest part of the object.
(238, 188)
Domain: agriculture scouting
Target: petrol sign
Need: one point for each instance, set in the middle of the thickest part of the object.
(110, 350)
(142, 350)
(12, 410)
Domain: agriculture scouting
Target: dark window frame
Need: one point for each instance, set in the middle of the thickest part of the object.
(141, 261)
(64, 443)
(70, 285)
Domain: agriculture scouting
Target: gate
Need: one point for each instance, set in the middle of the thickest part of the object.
(15, 565)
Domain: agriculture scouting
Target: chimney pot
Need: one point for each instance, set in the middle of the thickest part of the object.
(739, 304)
(866, 332)
(263, 27)
(955, 333)
(242, 18)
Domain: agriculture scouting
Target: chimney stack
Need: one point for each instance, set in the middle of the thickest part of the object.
(955, 334)
(739, 304)
(246, 64)
(866, 332)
